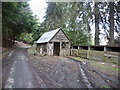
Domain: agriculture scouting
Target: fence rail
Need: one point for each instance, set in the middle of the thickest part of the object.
(102, 53)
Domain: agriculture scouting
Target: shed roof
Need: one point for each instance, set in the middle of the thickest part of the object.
(47, 36)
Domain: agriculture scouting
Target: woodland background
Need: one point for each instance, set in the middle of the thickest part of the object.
(75, 18)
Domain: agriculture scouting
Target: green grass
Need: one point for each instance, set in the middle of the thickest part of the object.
(105, 87)
(94, 63)
(31, 51)
(79, 58)
(97, 64)
(5, 52)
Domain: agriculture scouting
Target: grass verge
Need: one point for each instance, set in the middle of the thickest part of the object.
(31, 50)
(102, 66)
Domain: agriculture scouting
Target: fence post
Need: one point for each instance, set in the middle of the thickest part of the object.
(105, 49)
(78, 51)
(71, 51)
(88, 52)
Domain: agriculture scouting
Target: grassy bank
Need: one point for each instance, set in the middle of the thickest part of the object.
(101, 66)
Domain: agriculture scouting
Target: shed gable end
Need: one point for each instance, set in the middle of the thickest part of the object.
(60, 36)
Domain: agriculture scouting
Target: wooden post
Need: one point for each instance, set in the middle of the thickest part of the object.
(71, 51)
(52, 49)
(60, 48)
(48, 48)
(88, 51)
(105, 49)
(78, 51)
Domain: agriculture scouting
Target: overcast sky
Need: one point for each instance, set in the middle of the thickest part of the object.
(38, 8)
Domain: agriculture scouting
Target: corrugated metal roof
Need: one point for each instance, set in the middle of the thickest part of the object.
(46, 37)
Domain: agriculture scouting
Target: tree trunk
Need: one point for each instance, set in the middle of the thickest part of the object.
(96, 14)
(111, 21)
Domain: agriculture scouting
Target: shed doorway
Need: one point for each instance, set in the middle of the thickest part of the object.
(56, 50)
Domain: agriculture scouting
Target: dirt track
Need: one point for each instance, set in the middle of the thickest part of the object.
(69, 73)
(29, 71)
(16, 71)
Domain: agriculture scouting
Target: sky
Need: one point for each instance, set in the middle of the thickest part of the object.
(38, 8)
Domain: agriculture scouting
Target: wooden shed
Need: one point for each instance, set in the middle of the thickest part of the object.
(54, 42)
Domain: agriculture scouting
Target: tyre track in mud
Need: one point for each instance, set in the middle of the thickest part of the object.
(97, 78)
(46, 79)
(77, 75)
(113, 83)
(102, 78)
(61, 75)
(56, 72)
(86, 81)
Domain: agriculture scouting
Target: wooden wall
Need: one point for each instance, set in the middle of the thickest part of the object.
(65, 51)
(42, 48)
(50, 48)
(60, 37)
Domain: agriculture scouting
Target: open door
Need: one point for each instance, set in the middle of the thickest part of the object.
(56, 50)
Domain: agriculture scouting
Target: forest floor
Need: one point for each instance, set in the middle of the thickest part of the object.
(22, 68)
